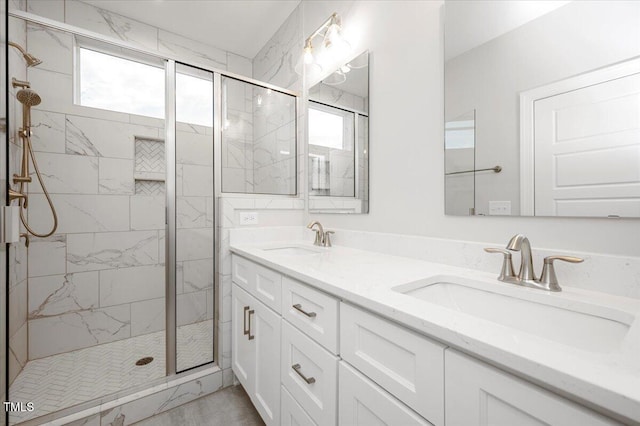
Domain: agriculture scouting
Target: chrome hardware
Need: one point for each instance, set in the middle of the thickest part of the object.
(309, 380)
(298, 307)
(251, 312)
(548, 278)
(507, 263)
(319, 241)
(526, 276)
(327, 238)
(521, 243)
(244, 319)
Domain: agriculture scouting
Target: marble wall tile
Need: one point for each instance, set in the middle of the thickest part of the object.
(224, 330)
(110, 24)
(210, 304)
(191, 212)
(197, 181)
(14, 366)
(61, 294)
(147, 212)
(102, 138)
(18, 263)
(194, 244)
(65, 174)
(18, 345)
(275, 62)
(17, 4)
(191, 307)
(233, 180)
(147, 316)
(166, 399)
(92, 252)
(225, 298)
(80, 213)
(48, 132)
(116, 176)
(148, 122)
(239, 65)
(52, 9)
(200, 53)
(194, 148)
(126, 285)
(54, 48)
(198, 275)
(63, 333)
(17, 307)
(210, 216)
(87, 421)
(55, 89)
(194, 128)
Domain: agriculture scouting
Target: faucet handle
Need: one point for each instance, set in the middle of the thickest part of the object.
(507, 263)
(327, 238)
(548, 278)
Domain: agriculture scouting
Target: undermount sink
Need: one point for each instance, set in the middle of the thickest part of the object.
(293, 250)
(585, 326)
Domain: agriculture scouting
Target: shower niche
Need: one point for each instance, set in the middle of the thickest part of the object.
(150, 170)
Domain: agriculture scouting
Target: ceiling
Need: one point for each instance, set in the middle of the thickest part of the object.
(470, 23)
(239, 26)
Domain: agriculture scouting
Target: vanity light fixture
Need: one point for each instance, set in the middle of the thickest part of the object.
(333, 43)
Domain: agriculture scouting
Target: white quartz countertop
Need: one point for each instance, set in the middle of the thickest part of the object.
(608, 379)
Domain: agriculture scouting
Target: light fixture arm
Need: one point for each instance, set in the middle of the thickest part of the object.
(333, 19)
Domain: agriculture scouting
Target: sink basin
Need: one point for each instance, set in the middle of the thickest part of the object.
(292, 251)
(579, 324)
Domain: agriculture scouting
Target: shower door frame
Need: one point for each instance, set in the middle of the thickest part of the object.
(170, 215)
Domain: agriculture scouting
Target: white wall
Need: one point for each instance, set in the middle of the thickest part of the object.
(406, 125)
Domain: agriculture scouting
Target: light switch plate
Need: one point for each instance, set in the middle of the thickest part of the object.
(500, 208)
(248, 218)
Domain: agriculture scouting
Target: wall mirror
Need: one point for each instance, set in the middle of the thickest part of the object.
(338, 140)
(542, 108)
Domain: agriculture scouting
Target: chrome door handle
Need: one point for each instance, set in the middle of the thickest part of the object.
(309, 380)
(298, 307)
(251, 312)
(244, 319)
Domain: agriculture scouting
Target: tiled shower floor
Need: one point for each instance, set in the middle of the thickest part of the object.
(64, 380)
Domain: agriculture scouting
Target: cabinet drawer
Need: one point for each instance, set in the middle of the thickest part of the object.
(312, 311)
(363, 403)
(292, 413)
(262, 283)
(310, 373)
(406, 364)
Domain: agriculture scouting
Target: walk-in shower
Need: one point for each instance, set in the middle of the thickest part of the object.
(119, 294)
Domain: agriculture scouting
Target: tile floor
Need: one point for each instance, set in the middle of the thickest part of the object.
(64, 380)
(228, 407)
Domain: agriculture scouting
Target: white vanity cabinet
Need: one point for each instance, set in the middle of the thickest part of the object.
(255, 341)
(479, 394)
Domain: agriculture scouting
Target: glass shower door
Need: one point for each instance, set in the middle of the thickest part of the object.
(194, 198)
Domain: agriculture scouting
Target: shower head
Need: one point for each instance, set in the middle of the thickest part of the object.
(32, 61)
(28, 97)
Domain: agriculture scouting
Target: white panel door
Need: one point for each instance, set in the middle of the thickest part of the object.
(480, 395)
(587, 150)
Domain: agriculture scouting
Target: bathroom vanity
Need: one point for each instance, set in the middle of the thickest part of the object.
(325, 336)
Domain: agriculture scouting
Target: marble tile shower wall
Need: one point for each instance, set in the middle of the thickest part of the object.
(100, 278)
(18, 252)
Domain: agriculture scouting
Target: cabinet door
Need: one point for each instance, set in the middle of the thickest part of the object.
(363, 403)
(265, 326)
(292, 413)
(478, 394)
(242, 349)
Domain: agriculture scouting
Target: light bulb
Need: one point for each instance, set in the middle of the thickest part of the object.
(308, 56)
(345, 69)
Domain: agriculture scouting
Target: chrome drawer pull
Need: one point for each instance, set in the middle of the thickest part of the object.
(251, 312)
(298, 307)
(296, 368)
(244, 319)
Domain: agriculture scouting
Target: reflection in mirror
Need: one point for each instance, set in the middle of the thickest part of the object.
(459, 157)
(556, 91)
(338, 140)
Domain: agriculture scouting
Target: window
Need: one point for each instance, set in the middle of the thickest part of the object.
(119, 84)
(326, 129)
(124, 85)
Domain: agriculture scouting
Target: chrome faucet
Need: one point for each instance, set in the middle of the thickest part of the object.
(323, 238)
(319, 241)
(526, 276)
